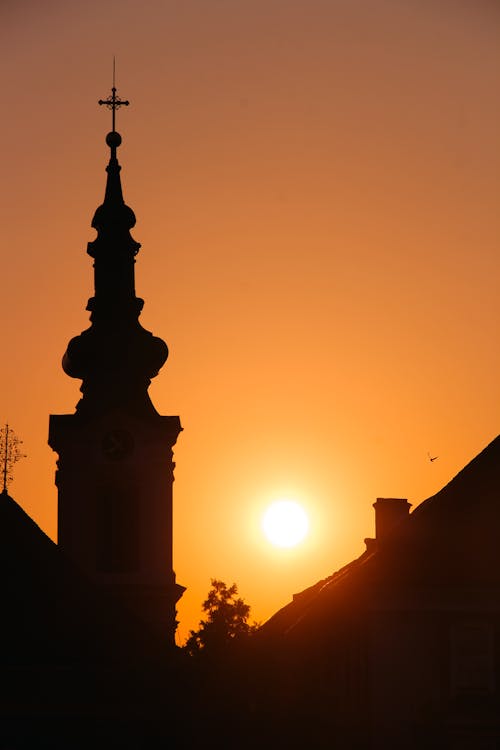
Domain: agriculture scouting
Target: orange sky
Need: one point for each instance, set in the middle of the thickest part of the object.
(316, 186)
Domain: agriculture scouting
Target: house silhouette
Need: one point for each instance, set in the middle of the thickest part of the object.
(399, 648)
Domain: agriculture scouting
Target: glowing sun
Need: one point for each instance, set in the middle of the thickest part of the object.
(285, 523)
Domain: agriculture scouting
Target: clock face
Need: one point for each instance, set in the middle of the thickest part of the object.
(117, 444)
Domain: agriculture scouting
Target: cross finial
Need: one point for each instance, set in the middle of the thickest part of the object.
(10, 453)
(114, 102)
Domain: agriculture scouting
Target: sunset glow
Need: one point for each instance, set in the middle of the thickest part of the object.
(285, 523)
(316, 187)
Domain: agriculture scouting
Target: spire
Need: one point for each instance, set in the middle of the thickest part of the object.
(115, 357)
(113, 211)
(113, 219)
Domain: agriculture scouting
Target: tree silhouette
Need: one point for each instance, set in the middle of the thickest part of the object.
(226, 621)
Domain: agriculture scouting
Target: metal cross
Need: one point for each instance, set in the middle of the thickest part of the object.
(10, 454)
(114, 102)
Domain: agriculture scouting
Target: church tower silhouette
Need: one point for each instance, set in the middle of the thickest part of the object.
(115, 469)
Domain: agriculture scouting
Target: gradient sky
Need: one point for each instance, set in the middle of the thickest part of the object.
(316, 186)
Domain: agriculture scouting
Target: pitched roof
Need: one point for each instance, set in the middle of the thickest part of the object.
(450, 539)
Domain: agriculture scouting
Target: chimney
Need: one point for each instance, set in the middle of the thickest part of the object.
(389, 511)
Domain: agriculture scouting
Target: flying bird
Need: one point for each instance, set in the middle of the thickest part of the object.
(431, 458)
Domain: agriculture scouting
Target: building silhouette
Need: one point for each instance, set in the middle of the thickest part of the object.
(115, 468)
(400, 648)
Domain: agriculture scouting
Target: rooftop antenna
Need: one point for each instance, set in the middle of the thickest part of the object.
(113, 102)
(10, 454)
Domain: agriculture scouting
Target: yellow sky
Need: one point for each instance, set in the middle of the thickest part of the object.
(316, 186)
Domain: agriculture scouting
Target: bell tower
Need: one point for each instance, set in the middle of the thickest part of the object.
(115, 469)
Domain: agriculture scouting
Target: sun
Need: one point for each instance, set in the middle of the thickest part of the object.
(285, 523)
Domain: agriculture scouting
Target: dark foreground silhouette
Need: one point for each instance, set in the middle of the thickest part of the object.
(397, 649)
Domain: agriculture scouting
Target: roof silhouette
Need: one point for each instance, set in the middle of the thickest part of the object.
(449, 540)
